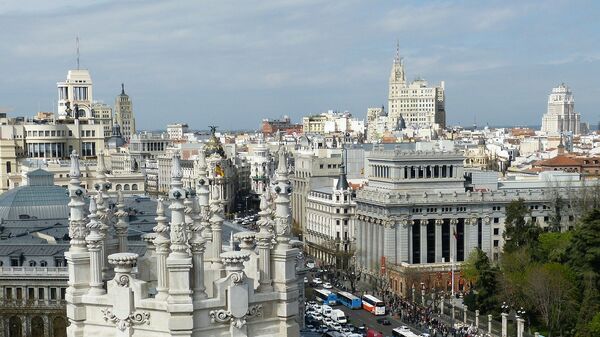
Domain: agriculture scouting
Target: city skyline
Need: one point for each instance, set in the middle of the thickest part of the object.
(233, 64)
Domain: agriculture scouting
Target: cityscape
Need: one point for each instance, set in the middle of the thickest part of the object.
(404, 208)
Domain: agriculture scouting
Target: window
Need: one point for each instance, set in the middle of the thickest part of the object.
(43, 263)
(30, 293)
(495, 243)
(9, 293)
(41, 293)
(496, 220)
(32, 263)
(8, 167)
(496, 231)
(52, 293)
(14, 261)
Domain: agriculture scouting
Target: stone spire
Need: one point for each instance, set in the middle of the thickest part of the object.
(216, 223)
(282, 202)
(94, 244)
(161, 243)
(77, 229)
(342, 183)
(122, 225)
(198, 246)
(176, 195)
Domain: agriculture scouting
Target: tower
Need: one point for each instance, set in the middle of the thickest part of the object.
(75, 91)
(561, 115)
(124, 114)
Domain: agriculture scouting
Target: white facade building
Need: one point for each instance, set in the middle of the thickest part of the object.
(420, 105)
(124, 115)
(561, 116)
(76, 90)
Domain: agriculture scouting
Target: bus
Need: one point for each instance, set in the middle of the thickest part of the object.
(325, 296)
(349, 300)
(403, 332)
(373, 305)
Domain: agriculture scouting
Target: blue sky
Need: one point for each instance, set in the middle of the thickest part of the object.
(233, 63)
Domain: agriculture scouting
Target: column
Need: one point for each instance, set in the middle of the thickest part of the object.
(504, 324)
(389, 242)
(380, 230)
(94, 244)
(486, 236)
(368, 247)
(471, 237)
(438, 239)
(197, 245)
(423, 238)
(453, 242)
(410, 240)
(402, 247)
(162, 244)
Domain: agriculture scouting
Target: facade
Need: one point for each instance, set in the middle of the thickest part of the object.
(419, 105)
(561, 116)
(312, 169)
(176, 131)
(147, 145)
(201, 291)
(124, 114)
(416, 215)
(333, 122)
(376, 124)
(284, 125)
(329, 230)
(261, 169)
(75, 91)
(102, 114)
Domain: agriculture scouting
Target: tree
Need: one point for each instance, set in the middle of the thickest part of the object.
(519, 232)
(352, 275)
(584, 249)
(551, 290)
(482, 275)
(590, 306)
(553, 247)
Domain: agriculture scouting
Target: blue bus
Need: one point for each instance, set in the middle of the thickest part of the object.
(349, 300)
(325, 296)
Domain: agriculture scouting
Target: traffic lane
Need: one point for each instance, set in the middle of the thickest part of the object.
(359, 316)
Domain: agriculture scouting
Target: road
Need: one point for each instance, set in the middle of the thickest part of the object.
(358, 317)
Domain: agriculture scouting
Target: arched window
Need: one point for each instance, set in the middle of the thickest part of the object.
(37, 327)
(134, 187)
(43, 263)
(118, 187)
(15, 327)
(32, 263)
(126, 187)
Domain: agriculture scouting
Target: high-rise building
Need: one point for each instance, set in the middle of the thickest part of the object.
(420, 105)
(102, 114)
(561, 116)
(124, 114)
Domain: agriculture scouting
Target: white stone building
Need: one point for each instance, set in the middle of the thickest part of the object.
(417, 213)
(561, 116)
(76, 90)
(329, 230)
(420, 105)
(190, 287)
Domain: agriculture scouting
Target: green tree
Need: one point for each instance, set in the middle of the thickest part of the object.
(478, 270)
(519, 232)
(553, 247)
(590, 305)
(594, 326)
(584, 249)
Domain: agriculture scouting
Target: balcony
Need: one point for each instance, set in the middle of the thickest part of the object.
(34, 271)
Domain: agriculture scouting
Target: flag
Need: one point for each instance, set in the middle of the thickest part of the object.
(219, 171)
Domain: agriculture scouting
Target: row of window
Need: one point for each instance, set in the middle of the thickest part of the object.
(16, 293)
(18, 262)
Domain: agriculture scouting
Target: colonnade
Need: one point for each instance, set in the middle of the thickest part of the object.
(419, 241)
(415, 171)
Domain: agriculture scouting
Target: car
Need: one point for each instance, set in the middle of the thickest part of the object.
(336, 326)
(317, 316)
(383, 321)
(317, 280)
(327, 321)
(305, 279)
(327, 285)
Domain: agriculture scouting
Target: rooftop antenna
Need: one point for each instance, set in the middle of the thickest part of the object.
(77, 46)
(397, 50)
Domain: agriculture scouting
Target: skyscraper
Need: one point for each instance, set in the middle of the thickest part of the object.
(124, 114)
(561, 116)
(420, 105)
(76, 90)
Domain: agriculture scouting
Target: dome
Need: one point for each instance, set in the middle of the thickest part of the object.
(213, 145)
(40, 199)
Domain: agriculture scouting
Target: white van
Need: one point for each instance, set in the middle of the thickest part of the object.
(326, 310)
(338, 316)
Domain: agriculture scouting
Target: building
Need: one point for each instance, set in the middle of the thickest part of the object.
(75, 95)
(420, 105)
(377, 119)
(147, 145)
(332, 122)
(261, 170)
(561, 116)
(188, 286)
(313, 168)
(417, 214)
(102, 114)
(176, 131)
(124, 114)
(284, 125)
(329, 230)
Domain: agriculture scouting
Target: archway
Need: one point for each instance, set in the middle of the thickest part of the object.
(15, 327)
(59, 327)
(37, 327)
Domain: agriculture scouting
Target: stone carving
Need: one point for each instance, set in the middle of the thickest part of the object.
(224, 316)
(134, 318)
(123, 281)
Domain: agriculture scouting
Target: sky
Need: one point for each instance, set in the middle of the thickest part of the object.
(233, 63)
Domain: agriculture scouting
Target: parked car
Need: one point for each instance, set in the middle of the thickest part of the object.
(383, 321)
(327, 285)
(317, 280)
